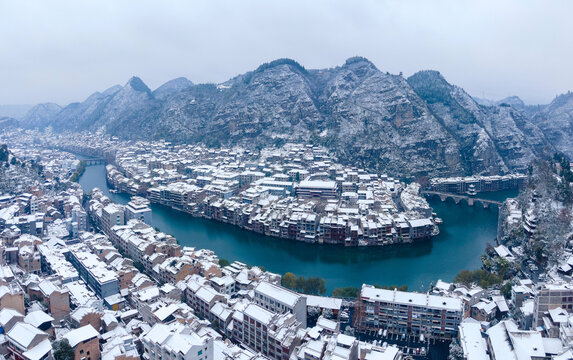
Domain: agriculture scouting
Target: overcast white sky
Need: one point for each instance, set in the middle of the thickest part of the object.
(62, 51)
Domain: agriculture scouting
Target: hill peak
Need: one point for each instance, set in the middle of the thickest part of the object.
(138, 85)
(431, 76)
(172, 87)
(358, 60)
(278, 62)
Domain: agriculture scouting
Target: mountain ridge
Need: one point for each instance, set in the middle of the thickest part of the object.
(418, 126)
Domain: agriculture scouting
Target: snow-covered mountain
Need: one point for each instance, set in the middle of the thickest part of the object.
(411, 127)
(556, 121)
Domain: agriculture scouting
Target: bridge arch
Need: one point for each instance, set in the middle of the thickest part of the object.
(468, 201)
(487, 204)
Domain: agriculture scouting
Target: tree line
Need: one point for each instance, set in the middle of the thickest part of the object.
(309, 286)
(79, 171)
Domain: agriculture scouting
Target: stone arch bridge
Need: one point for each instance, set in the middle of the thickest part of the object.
(486, 203)
(92, 162)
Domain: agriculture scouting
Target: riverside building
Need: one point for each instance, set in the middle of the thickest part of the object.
(402, 312)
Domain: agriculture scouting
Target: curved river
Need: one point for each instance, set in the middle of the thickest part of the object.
(463, 238)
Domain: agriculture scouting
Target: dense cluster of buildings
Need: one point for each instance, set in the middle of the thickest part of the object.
(296, 192)
(54, 163)
(132, 292)
(97, 276)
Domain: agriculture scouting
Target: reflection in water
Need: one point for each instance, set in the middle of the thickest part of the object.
(217, 234)
(462, 240)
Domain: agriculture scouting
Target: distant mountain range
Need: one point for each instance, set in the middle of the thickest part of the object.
(417, 126)
(14, 111)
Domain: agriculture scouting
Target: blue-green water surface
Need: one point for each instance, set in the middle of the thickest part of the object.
(462, 240)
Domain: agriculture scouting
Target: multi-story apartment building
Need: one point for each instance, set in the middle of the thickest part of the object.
(29, 260)
(263, 331)
(140, 241)
(333, 229)
(408, 313)
(12, 297)
(177, 194)
(247, 177)
(176, 341)
(25, 340)
(224, 285)
(202, 298)
(112, 215)
(94, 272)
(551, 296)
(57, 299)
(80, 218)
(280, 300)
(174, 269)
(85, 342)
(28, 224)
(138, 209)
(316, 189)
(421, 228)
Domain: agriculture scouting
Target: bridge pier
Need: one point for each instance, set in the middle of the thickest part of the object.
(470, 202)
(443, 198)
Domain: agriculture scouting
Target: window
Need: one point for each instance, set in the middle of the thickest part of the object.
(200, 352)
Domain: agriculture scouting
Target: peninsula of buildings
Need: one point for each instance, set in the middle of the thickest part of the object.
(296, 192)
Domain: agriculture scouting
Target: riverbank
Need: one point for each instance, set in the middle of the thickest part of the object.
(301, 227)
(79, 171)
(461, 241)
